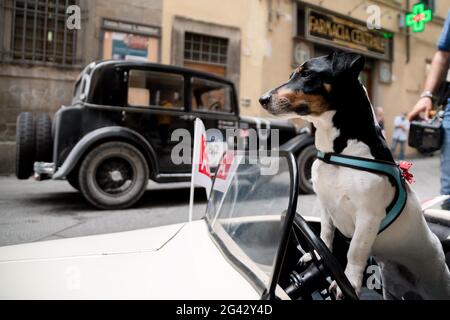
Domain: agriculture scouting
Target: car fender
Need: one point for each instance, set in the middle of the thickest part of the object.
(299, 142)
(102, 135)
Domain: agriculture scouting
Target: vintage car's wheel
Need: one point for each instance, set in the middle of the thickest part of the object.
(44, 141)
(305, 161)
(25, 147)
(113, 176)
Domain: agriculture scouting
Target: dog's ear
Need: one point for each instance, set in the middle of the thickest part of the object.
(347, 64)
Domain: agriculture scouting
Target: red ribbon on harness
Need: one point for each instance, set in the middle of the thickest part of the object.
(408, 176)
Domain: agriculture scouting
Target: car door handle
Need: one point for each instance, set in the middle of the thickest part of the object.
(188, 118)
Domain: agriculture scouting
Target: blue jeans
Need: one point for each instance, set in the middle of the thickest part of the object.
(445, 158)
(395, 143)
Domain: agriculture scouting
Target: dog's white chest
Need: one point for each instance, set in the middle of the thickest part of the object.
(344, 193)
(333, 187)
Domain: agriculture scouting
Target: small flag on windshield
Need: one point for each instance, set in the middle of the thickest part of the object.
(226, 171)
(201, 172)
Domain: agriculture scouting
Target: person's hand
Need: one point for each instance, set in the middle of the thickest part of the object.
(423, 105)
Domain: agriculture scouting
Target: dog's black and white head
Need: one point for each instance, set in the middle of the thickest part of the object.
(309, 89)
(327, 86)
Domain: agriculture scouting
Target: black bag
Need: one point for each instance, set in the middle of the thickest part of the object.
(426, 136)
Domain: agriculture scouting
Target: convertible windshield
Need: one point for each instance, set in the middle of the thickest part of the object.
(247, 208)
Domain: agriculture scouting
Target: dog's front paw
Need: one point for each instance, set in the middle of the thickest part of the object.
(305, 259)
(334, 289)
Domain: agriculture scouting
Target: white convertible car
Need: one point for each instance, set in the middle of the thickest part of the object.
(248, 246)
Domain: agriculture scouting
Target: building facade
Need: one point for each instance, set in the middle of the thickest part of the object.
(256, 43)
(40, 58)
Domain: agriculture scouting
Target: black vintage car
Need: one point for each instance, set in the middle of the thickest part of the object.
(118, 132)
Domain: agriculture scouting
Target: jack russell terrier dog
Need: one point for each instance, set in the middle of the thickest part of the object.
(326, 92)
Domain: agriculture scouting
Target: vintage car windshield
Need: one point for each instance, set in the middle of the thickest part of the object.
(247, 208)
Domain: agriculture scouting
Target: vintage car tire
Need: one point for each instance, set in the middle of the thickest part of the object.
(109, 168)
(25, 145)
(305, 161)
(44, 141)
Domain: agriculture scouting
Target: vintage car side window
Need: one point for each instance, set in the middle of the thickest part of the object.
(155, 89)
(211, 96)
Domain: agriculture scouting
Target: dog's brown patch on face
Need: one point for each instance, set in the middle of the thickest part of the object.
(316, 103)
(327, 87)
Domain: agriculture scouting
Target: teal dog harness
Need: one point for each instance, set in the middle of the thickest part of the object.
(389, 169)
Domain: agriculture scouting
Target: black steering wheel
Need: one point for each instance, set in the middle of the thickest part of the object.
(320, 269)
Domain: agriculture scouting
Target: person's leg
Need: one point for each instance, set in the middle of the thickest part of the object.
(445, 160)
(402, 150)
(394, 147)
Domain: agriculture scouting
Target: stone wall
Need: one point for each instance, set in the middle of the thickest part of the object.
(28, 88)
(41, 89)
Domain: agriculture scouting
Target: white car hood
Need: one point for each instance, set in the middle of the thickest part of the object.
(114, 243)
(175, 262)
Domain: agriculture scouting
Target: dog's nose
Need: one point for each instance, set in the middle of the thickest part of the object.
(265, 99)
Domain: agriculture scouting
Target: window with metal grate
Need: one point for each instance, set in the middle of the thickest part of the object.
(205, 49)
(40, 33)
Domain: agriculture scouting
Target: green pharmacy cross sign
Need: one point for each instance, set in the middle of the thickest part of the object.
(418, 17)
